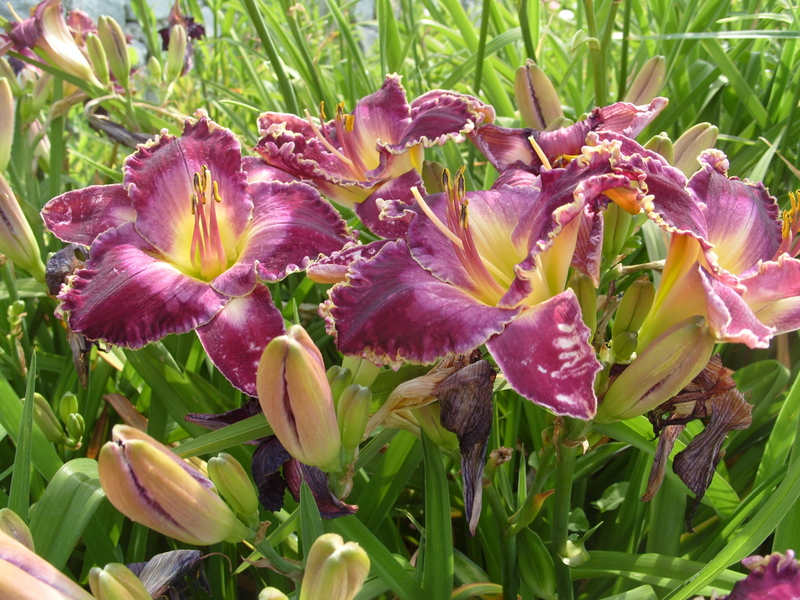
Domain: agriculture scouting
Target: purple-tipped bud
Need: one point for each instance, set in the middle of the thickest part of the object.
(296, 398)
(659, 372)
(539, 105)
(116, 582)
(334, 570)
(151, 485)
(116, 47)
(648, 81)
(25, 576)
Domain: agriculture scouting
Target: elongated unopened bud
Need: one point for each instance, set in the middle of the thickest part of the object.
(6, 122)
(116, 47)
(691, 144)
(296, 398)
(634, 307)
(537, 98)
(98, 58)
(271, 593)
(26, 576)
(234, 486)
(659, 372)
(335, 570)
(648, 81)
(663, 146)
(156, 71)
(116, 582)
(7, 71)
(47, 421)
(352, 412)
(16, 237)
(587, 298)
(616, 230)
(67, 406)
(176, 52)
(151, 485)
(339, 378)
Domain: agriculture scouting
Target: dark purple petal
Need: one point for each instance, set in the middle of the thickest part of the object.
(729, 317)
(507, 148)
(217, 421)
(772, 577)
(743, 219)
(26, 33)
(330, 507)
(159, 181)
(292, 225)
(391, 310)
(397, 192)
(235, 339)
(81, 215)
(545, 355)
(268, 458)
(128, 296)
(773, 293)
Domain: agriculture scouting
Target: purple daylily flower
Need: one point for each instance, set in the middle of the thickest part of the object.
(772, 577)
(734, 269)
(374, 152)
(186, 242)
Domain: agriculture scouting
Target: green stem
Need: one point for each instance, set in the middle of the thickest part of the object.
(595, 56)
(269, 47)
(565, 468)
(13, 295)
(509, 557)
(275, 559)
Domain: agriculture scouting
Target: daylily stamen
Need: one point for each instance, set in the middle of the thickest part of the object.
(540, 153)
(344, 124)
(207, 253)
(326, 143)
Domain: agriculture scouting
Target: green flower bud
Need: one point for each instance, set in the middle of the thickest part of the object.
(296, 398)
(42, 89)
(364, 371)
(430, 421)
(271, 593)
(67, 406)
(634, 307)
(334, 570)
(76, 427)
(623, 345)
(47, 421)
(154, 66)
(659, 372)
(98, 58)
(16, 237)
(691, 144)
(616, 230)
(235, 487)
(539, 105)
(339, 378)
(648, 81)
(663, 146)
(25, 576)
(6, 122)
(176, 52)
(25, 108)
(352, 412)
(7, 71)
(116, 47)
(587, 298)
(151, 485)
(116, 582)
(13, 526)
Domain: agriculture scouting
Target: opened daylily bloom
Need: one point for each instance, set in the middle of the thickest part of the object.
(772, 577)
(26, 576)
(185, 242)
(379, 146)
(151, 485)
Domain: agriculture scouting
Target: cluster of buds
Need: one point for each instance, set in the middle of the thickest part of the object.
(52, 428)
(151, 485)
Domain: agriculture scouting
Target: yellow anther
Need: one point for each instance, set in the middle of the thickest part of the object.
(322, 111)
(789, 217)
(349, 122)
(194, 200)
(540, 153)
(216, 192)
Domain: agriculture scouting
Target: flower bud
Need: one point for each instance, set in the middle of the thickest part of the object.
(41, 94)
(234, 486)
(334, 570)
(116, 582)
(47, 421)
(352, 412)
(25, 576)
(76, 427)
(634, 307)
(6, 122)
(587, 298)
(659, 372)
(67, 406)
(691, 144)
(25, 107)
(364, 371)
(339, 378)
(7, 71)
(116, 47)
(430, 421)
(13, 526)
(623, 345)
(98, 58)
(536, 97)
(151, 485)
(16, 237)
(648, 81)
(616, 230)
(175, 52)
(154, 66)
(296, 398)
(662, 145)
(271, 593)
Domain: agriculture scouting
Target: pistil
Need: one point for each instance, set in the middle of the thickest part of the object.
(207, 252)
